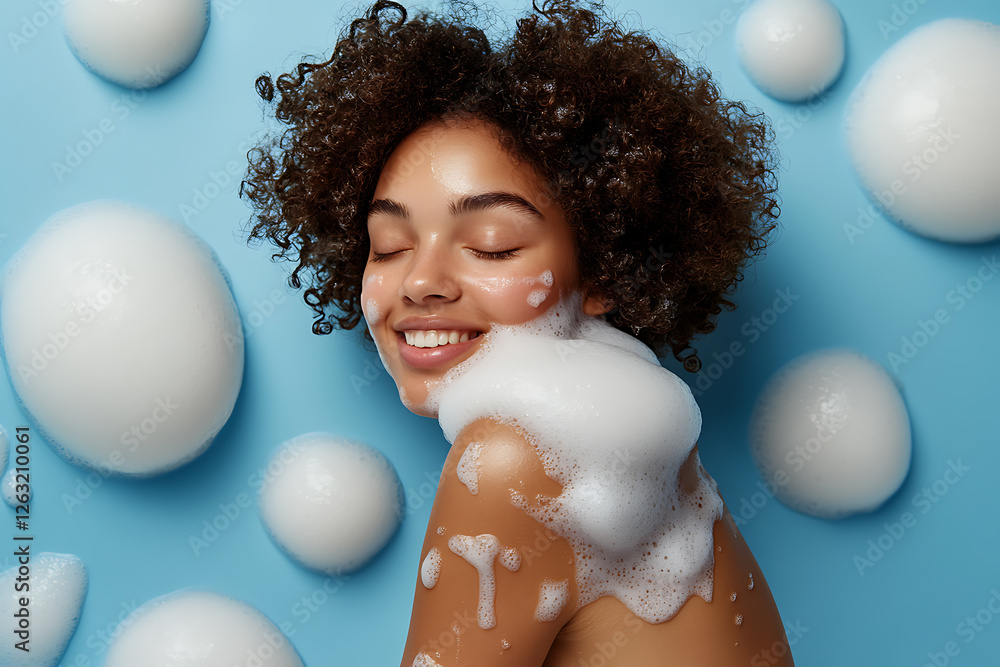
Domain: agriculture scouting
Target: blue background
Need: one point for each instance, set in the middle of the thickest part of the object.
(866, 293)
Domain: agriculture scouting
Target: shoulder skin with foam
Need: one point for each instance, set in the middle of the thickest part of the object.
(613, 427)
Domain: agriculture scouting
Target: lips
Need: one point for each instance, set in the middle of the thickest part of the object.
(435, 342)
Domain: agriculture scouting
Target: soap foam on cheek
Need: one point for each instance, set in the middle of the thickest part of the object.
(613, 428)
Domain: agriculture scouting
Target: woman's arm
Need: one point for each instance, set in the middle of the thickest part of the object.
(495, 562)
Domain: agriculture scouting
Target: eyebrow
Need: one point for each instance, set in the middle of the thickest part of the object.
(467, 204)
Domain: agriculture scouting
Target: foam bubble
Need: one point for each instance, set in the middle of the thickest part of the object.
(467, 470)
(612, 427)
(139, 43)
(58, 588)
(791, 49)
(199, 629)
(330, 503)
(922, 131)
(480, 551)
(121, 338)
(551, 599)
(8, 487)
(430, 569)
(424, 660)
(832, 434)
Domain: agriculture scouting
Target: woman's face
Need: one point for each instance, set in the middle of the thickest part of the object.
(462, 237)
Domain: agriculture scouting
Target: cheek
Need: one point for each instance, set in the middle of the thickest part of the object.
(373, 298)
(516, 298)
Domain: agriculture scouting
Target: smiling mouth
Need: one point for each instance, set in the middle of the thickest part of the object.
(437, 338)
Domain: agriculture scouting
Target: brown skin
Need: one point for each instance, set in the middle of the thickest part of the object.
(443, 622)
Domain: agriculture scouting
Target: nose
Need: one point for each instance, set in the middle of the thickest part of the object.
(429, 278)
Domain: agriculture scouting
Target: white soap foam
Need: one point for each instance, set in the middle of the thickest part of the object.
(9, 488)
(139, 43)
(199, 629)
(58, 588)
(467, 469)
(791, 49)
(122, 338)
(430, 569)
(510, 558)
(831, 433)
(480, 551)
(331, 504)
(922, 131)
(612, 427)
(552, 599)
(537, 297)
(424, 660)
(372, 312)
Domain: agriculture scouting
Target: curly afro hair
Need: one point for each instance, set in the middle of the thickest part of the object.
(670, 188)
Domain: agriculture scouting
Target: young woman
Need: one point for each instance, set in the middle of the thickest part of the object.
(449, 191)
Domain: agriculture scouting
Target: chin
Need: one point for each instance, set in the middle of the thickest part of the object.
(422, 409)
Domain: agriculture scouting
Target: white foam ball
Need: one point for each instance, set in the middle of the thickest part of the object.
(791, 49)
(831, 435)
(199, 629)
(121, 338)
(922, 131)
(331, 504)
(137, 43)
(58, 586)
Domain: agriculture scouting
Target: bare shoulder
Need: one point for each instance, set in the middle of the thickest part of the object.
(496, 585)
(740, 625)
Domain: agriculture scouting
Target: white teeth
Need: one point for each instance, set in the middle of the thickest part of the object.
(432, 338)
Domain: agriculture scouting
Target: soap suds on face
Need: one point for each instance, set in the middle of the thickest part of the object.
(536, 298)
(467, 470)
(613, 428)
(372, 312)
(480, 552)
(430, 570)
(552, 599)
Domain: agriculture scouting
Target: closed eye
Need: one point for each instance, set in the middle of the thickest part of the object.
(500, 254)
(383, 256)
